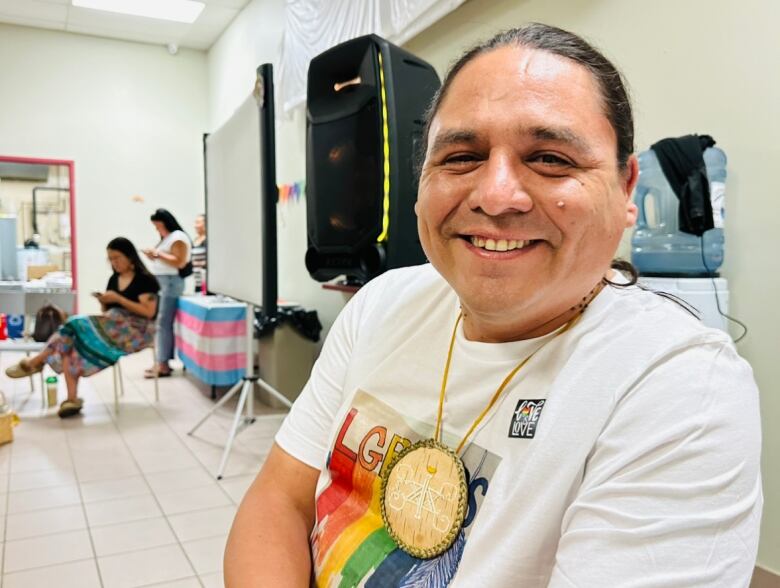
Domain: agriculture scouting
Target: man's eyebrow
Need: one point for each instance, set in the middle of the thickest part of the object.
(452, 137)
(560, 135)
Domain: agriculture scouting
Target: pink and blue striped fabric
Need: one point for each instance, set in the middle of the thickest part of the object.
(211, 339)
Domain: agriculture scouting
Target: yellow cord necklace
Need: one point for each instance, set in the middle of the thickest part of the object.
(423, 491)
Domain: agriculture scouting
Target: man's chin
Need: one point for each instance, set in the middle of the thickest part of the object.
(496, 301)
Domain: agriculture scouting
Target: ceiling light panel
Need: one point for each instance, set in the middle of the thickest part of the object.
(186, 11)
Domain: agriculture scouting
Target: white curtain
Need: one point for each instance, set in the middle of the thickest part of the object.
(313, 26)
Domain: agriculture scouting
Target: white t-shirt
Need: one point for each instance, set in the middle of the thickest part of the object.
(625, 453)
(159, 267)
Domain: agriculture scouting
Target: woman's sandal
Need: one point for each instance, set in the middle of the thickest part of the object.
(22, 369)
(70, 408)
(156, 373)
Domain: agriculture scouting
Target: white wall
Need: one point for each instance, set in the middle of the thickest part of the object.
(696, 66)
(252, 39)
(130, 115)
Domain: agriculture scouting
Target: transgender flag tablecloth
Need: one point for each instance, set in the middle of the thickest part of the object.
(211, 338)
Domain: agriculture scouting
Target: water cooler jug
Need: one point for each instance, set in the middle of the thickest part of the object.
(658, 247)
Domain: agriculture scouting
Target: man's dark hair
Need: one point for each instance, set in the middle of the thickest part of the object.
(617, 105)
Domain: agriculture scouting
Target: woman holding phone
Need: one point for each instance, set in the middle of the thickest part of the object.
(86, 344)
(170, 263)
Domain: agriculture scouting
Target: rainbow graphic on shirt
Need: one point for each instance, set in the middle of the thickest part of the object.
(350, 546)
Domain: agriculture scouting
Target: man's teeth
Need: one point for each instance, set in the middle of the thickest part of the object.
(498, 245)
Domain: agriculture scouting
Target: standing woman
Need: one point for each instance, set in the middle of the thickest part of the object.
(170, 264)
(199, 254)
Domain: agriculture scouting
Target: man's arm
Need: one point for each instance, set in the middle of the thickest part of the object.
(269, 542)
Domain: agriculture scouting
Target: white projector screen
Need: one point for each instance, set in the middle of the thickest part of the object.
(240, 191)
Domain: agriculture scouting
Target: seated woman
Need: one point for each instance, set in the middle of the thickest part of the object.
(86, 344)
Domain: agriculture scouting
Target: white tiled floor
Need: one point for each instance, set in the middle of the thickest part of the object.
(105, 500)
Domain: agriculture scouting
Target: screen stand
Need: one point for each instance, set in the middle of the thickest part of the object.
(245, 409)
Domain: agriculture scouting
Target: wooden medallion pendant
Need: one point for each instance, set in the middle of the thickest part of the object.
(423, 497)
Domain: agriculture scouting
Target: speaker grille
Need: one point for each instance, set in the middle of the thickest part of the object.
(349, 171)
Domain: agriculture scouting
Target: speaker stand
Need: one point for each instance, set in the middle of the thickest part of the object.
(245, 408)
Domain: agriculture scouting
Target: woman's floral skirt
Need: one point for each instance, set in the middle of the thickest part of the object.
(94, 342)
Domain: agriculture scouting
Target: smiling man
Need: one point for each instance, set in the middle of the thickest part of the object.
(518, 412)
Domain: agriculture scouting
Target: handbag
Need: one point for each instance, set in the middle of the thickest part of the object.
(48, 320)
(186, 271)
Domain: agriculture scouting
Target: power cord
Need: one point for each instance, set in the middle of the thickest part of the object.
(711, 274)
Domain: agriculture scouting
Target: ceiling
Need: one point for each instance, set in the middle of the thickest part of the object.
(59, 15)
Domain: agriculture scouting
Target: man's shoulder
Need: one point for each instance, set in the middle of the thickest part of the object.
(659, 316)
(417, 280)
(401, 295)
(412, 272)
(631, 330)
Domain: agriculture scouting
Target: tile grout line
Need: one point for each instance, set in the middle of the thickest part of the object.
(167, 583)
(179, 438)
(52, 565)
(83, 506)
(54, 534)
(13, 406)
(44, 413)
(5, 516)
(142, 394)
(69, 433)
(111, 524)
(146, 481)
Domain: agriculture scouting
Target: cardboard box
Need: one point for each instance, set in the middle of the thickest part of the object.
(36, 272)
(7, 422)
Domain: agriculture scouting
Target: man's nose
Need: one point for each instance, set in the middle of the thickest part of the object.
(500, 188)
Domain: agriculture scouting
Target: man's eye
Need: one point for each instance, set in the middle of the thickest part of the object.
(460, 158)
(551, 159)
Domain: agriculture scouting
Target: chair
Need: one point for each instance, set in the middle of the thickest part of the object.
(119, 384)
(27, 347)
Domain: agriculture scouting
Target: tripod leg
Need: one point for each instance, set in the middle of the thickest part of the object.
(275, 393)
(236, 387)
(250, 404)
(246, 390)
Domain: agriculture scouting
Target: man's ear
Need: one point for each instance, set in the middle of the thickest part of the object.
(629, 180)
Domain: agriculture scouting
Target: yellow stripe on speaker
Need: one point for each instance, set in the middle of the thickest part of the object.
(386, 153)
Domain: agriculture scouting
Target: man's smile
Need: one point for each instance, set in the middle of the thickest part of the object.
(491, 244)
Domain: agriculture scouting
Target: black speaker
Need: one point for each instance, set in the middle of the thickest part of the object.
(365, 104)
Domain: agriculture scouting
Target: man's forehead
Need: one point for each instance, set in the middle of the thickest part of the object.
(531, 93)
(514, 72)
(537, 64)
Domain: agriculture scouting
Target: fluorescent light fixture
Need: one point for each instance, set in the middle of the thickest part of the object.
(175, 10)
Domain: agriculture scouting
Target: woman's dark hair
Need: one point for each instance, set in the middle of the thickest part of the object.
(125, 247)
(167, 219)
(617, 105)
